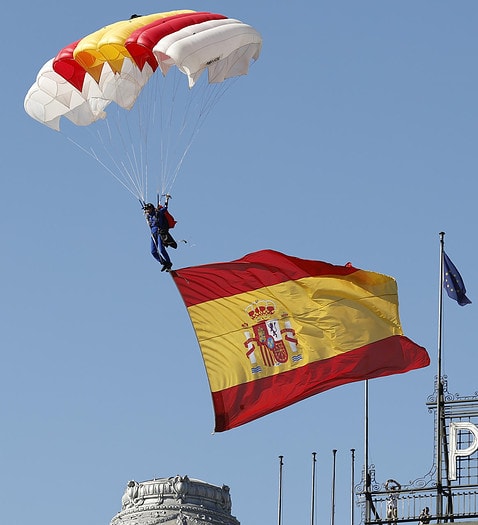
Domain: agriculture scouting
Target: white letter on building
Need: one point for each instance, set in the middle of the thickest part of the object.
(457, 452)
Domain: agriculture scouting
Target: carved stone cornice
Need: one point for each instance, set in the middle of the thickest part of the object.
(177, 500)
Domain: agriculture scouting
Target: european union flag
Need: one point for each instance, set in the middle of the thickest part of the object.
(453, 283)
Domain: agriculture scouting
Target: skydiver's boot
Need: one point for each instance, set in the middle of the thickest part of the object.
(167, 266)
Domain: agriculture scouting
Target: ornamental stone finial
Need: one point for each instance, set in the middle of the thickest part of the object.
(130, 496)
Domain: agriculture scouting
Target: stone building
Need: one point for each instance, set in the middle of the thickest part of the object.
(178, 500)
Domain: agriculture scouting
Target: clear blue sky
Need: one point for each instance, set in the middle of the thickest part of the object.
(354, 138)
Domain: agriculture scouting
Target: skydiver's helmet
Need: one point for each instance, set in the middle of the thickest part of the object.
(148, 208)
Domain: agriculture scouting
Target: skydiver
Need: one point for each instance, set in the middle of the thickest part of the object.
(160, 221)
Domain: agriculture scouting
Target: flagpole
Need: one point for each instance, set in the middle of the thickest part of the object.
(439, 400)
(352, 492)
(332, 517)
(366, 471)
(279, 510)
(312, 504)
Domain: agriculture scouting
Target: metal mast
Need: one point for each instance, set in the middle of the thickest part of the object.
(439, 400)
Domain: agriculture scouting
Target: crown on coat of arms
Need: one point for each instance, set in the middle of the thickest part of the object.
(260, 310)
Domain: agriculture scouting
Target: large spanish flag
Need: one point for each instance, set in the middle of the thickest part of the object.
(274, 330)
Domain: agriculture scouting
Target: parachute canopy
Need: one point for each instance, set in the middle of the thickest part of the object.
(163, 72)
(114, 63)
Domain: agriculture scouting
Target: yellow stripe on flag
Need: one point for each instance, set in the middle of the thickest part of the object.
(328, 316)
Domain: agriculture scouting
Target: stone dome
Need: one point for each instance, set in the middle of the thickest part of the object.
(178, 500)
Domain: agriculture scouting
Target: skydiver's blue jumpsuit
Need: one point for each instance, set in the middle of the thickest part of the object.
(158, 222)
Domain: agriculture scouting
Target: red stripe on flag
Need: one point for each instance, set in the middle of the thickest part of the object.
(208, 282)
(241, 404)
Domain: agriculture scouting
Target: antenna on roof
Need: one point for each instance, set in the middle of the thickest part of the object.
(279, 512)
(332, 517)
(352, 491)
(312, 504)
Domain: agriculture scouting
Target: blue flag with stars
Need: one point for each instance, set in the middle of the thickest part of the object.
(453, 283)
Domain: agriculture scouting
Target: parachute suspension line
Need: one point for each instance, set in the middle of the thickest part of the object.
(122, 138)
(206, 97)
(168, 89)
(178, 165)
(172, 123)
(191, 109)
(91, 153)
(146, 115)
(148, 144)
(182, 114)
(200, 105)
(120, 146)
(112, 146)
(146, 108)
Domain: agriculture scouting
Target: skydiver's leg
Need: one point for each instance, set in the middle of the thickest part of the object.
(162, 252)
(154, 249)
(167, 264)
